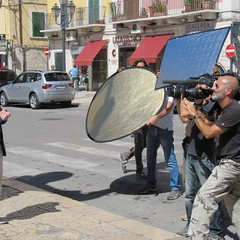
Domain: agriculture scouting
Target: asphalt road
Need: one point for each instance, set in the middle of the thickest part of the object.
(49, 148)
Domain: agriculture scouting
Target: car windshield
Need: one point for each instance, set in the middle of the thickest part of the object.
(56, 76)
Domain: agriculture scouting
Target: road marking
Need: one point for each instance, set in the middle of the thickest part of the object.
(116, 143)
(76, 163)
(84, 149)
(96, 151)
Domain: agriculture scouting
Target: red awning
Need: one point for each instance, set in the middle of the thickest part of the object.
(149, 48)
(90, 51)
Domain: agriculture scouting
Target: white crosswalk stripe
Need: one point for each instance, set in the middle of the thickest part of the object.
(77, 163)
(117, 143)
(90, 150)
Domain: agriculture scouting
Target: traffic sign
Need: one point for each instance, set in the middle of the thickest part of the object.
(46, 51)
(230, 51)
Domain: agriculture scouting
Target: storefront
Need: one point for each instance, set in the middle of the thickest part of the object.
(132, 47)
(94, 56)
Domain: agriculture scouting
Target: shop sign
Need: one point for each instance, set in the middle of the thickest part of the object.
(126, 40)
(114, 52)
(199, 27)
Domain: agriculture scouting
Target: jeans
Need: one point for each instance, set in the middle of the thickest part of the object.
(137, 149)
(222, 183)
(140, 144)
(156, 137)
(197, 172)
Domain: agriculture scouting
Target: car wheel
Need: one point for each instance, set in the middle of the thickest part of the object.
(34, 102)
(3, 99)
(66, 104)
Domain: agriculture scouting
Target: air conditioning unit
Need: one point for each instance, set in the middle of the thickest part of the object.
(71, 36)
(136, 28)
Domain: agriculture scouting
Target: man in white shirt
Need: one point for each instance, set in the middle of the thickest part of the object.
(160, 132)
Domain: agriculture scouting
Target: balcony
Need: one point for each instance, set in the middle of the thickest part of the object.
(163, 12)
(158, 8)
(83, 16)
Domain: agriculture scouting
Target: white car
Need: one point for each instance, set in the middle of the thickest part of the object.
(39, 87)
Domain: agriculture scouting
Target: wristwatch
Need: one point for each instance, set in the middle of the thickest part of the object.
(196, 116)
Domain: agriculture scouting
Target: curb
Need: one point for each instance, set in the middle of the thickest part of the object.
(66, 219)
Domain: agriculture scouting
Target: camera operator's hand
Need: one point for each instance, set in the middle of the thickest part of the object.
(189, 107)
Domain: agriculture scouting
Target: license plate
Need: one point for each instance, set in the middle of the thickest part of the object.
(60, 87)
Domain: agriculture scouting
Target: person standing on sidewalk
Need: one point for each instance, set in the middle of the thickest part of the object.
(160, 132)
(4, 115)
(224, 181)
(74, 73)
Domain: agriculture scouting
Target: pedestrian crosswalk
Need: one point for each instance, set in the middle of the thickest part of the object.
(79, 156)
(45, 156)
(81, 148)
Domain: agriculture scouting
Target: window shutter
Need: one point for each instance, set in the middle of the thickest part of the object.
(38, 23)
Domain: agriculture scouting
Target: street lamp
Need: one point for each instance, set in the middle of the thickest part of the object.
(66, 11)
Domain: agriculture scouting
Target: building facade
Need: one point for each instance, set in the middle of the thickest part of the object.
(102, 35)
(22, 44)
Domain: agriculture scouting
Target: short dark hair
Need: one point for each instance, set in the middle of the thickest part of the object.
(140, 60)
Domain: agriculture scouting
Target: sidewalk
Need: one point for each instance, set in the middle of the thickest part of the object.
(35, 214)
(84, 98)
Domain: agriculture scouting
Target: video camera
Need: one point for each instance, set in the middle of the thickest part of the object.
(187, 88)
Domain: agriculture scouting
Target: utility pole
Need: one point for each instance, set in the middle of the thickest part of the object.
(22, 47)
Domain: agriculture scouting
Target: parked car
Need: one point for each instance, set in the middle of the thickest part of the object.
(39, 87)
(6, 76)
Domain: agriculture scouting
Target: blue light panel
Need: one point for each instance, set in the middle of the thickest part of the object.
(191, 56)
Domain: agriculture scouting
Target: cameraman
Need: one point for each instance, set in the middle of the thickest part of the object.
(200, 158)
(224, 179)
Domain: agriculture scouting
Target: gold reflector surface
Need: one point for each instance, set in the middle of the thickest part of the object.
(123, 104)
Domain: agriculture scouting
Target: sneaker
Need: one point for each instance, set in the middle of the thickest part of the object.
(174, 194)
(212, 236)
(3, 221)
(184, 232)
(148, 189)
(123, 162)
(141, 174)
(184, 217)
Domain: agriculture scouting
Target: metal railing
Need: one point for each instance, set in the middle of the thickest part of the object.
(82, 16)
(124, 10)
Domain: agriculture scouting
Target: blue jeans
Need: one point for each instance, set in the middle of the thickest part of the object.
(197, 172)
(156, 137)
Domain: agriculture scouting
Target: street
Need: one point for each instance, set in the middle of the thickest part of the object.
(49, 148)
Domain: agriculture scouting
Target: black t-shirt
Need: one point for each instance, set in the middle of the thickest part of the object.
(199, 146)
(229, 141)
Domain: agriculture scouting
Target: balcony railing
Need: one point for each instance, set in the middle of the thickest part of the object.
(125, 10)
(155, 8)
(82, 16)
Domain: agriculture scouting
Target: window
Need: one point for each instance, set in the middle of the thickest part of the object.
(30, 77)
(52, 77)
(20, 79)
(38, 23)
(131, 9)
(93, 10)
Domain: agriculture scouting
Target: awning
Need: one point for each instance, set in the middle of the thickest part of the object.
(90, 51)
(149, 48)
